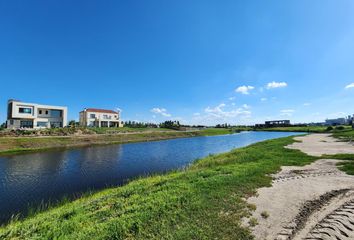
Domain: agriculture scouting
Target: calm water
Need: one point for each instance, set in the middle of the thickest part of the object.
(26, 180)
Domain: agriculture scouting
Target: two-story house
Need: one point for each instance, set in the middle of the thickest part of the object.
(93, 117)
(33, 115)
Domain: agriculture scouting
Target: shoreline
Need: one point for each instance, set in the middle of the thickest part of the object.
(198, 195)
(33, 144)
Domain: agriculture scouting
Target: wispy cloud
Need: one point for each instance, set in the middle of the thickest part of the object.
(264, 99)
(245, 106)
(276, 85)
(287, 112)
(161, 111)
(349, 86)
(244, 89)
(220, 113)
(231, 98)
(307, 104)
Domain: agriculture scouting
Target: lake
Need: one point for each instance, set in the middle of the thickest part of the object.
(29, 179)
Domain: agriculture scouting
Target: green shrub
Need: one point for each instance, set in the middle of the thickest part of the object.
(340, 128)
(328, 129)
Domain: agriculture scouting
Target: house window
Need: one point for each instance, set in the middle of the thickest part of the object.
(91, 124)
(25, 110)
(46, 112)
(40, 111)
(104, 124)
(42, 124)
(92, 115)
(55, 113)
(56, 124)
(26, 124)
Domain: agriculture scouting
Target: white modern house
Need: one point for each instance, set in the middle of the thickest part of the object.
(94, 117)
(32, 115)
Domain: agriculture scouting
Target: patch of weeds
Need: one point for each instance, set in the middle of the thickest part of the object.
(253, 222)
(265, 214)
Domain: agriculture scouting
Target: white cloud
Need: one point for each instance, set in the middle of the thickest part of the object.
(244, 89)
(349, 86)
(287, 112)
(233, 104)
(264, 99)
(231, 98)
(276, 85)
(307, 104)
(220, 113)
(196, 114)
(161, 111)
(245, 106)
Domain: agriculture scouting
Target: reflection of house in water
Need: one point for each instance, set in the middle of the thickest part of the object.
(98, 158)
(35, 164)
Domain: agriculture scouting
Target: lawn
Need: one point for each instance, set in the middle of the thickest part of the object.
(204, 201)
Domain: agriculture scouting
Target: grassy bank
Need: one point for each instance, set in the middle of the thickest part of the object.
(205, 201)
(345, 135)
(311, 129)
(15, 145)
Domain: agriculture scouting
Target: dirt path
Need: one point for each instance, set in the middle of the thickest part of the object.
(311, 202)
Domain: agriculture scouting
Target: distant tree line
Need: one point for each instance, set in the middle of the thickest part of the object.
(171, 125)
(134, 124)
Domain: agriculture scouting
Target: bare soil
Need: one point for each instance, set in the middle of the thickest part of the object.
(310, 202)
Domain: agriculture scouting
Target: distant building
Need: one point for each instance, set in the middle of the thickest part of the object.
(276, 123)
(93, 117)
(335, 122)
(21, 115)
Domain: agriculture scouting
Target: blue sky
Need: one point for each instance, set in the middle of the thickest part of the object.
(201, 62)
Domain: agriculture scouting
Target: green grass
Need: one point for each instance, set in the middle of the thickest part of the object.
(204, 201)
(346, 166)
(312, 129)
(104, 130)
(345, 135)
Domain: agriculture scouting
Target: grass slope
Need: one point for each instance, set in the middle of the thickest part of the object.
(204, 201)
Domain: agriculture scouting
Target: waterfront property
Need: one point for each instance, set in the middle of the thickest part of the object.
(93, 117)
(21, 115)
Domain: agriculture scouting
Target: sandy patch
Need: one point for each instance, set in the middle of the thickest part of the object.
(318, 144)
(311, 202)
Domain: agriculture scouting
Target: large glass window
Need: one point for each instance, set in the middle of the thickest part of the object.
(92, 115)
(91, 124)
(42, 124)
(56, 124)
(104, 124)
(55, 113)
(26, 124)
(25, 110)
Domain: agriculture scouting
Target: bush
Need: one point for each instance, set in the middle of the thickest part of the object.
(340, 128)
(330, 128)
